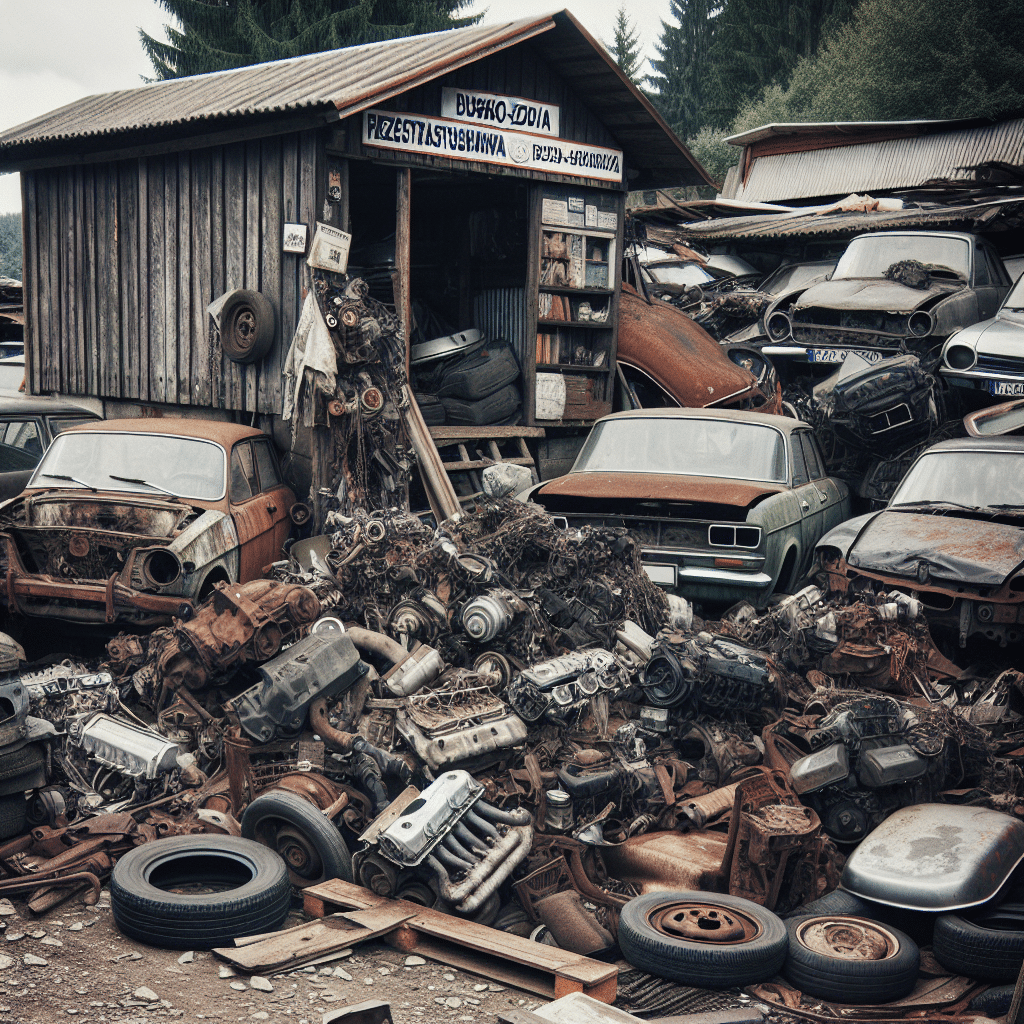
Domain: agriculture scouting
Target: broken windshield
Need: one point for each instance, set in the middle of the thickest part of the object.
(183, 466)
(976, 481)
(872, 255)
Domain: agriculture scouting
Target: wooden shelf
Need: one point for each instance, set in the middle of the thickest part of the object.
(560, 288)
(571, 323)
(571, 368)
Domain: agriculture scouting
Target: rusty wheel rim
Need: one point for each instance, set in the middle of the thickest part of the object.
(295, 849)
(701, 921)
(243, 329)
(847, 938)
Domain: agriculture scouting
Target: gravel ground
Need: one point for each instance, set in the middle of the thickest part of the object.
(74, 963)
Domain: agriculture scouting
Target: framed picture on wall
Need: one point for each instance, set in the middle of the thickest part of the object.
(294, 239)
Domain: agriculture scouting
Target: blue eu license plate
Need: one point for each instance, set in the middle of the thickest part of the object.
(1007, 388)
(838, 355)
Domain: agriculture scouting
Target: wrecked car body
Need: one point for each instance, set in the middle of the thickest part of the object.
(727, 505)
(893, 292)
(951, 537)
(134, 521)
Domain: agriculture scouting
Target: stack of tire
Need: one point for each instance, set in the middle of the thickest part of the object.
(22, 762)
(475, 389)
(711, 940)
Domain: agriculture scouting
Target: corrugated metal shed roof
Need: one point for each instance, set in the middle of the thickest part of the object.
(877, 166)
(850, 129)
(845, 225)
(338, 83)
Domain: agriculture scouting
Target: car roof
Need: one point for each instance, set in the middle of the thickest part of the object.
(966, 236)
(218, 431)
(1001, 443)
(32, 405)
(784, 423)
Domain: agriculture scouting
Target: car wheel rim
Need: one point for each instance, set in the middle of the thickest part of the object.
(296, 850)
(704, 922)
(847, 939)
(243, 329)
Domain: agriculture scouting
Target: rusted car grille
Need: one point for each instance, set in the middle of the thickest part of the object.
(77, 555)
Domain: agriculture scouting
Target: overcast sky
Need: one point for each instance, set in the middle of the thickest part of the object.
(53, 52)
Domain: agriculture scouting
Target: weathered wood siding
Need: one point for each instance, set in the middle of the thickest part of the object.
(123, 258)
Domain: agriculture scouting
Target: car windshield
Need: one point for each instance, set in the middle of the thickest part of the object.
(687, 447)
(1015, 297)
(144, 463)
(977, 479)
(872, 255)
(680, 273)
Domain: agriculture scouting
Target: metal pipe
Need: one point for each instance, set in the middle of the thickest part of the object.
(377, 643)
(470, 841)
(525, 840)
(485, 868)
(449, 858)
(519, 816)
(454, 846)
(479, 825)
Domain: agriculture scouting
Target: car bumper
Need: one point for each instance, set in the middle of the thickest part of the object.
(108, 602)
(1006, 385)
(708, 582)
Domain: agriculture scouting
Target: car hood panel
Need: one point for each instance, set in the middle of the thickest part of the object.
(870, 294)
(146, 518)
(971, 551)
(659, 487)
(1001, 336)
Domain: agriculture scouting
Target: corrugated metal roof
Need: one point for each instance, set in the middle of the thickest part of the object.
(845, 225)
(878, 166)
(790, 129)
(335, 78)
(338, 83)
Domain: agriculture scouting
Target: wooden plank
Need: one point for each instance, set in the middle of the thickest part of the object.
(30, 277)
(171, 325)
(141, 345)
(156, 282)
(93, 338)
(290, 262)
(572, 971)
(128, 244)
(270, 369)
(470, 433)
(181, 389)
(79, 279)
(234, 259)
(217, 269)
(403, 244)
(66, 298)
(200, 386)
(253, 242)
(106, 266)
(298, 946)
(529, 361)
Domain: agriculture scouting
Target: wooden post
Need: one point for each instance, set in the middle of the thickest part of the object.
(403, 235)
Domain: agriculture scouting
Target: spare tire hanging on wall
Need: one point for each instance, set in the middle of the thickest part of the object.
(246, 326)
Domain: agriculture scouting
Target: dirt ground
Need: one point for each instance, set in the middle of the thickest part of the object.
(73, 962)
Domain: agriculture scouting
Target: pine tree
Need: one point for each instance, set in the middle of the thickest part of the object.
(680, 74)
(625, 47)
(213, 35)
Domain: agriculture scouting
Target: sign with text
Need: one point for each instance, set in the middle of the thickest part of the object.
(499, 111)
(435, 136)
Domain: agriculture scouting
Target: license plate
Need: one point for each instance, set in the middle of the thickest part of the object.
(838, 355)
(665, 575)
(1010, 388)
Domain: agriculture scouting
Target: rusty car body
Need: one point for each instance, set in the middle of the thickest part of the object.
(727, 504)
(892, 292)
(989, 356)
(666, 360)
(132, 521)
(952, 536)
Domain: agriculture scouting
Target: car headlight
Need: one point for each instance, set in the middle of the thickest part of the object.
(960, 357)
(920, 324)
(778, 325)
(161, 567)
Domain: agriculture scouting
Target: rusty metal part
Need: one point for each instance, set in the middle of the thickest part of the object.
(667, 861)
(572, 924)
(705, 922)
(239, 623)
(848, 938)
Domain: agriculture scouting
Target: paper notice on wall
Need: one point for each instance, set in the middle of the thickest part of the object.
(329, 250)
(554, 211)
(550, 402)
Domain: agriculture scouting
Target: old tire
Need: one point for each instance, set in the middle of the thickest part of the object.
(702, 938)
(246, 326)
(13, 815)
(310, 845)
(838, 901)
(989, 944)
(197, 892)
(850, 959)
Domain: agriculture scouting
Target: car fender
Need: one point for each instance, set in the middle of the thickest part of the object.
(843, 537)
(210, 541)
(779, 517)
(959, 309)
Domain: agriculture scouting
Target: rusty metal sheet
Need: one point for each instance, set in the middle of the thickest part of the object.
(660, 487)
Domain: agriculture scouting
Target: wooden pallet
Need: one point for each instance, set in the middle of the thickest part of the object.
(495, 955)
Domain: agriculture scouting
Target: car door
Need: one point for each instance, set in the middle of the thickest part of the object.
(280, 497)
(257, 514)
(815, 499)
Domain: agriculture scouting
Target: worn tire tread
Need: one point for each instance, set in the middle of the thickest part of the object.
(966, 947)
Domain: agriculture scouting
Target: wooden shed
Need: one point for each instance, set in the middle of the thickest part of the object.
(456, 159)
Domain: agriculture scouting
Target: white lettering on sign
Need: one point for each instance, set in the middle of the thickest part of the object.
(500, 111)
(417, 133)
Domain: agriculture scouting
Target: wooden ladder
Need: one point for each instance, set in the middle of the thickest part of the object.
(466, 451)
